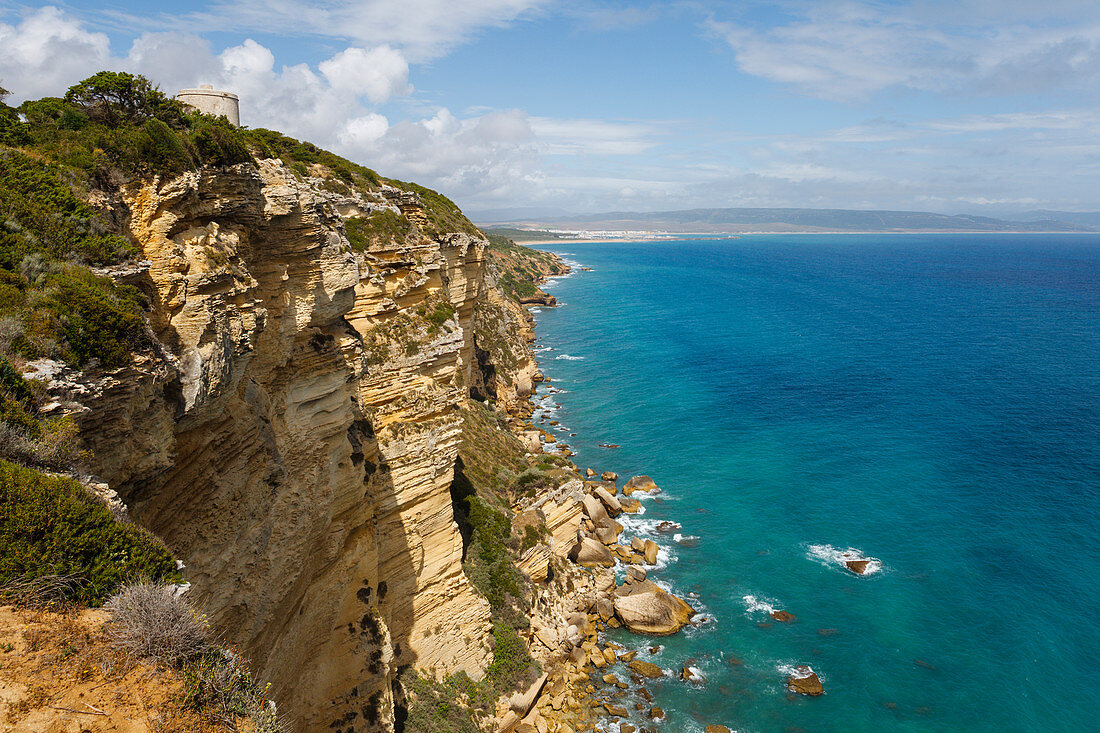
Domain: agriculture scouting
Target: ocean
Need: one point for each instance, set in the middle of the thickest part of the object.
(929, 401)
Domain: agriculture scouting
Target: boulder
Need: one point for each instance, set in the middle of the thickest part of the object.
(589, 472)
(521, 702)
(645, 669)
(646, 608)
(782, 616)
(594, 508)
(640, 483)
(633, 574)
(607, 535)
(716, 729)
(656, 713)
(614, 508)
(650, 552)
(531, 442)
(591, 553)
(605, 609)
(804, 681)
(609, 476)
(638, 545)
(630, 505)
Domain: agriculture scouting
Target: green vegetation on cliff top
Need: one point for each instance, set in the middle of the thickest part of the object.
(51, 528)
(108, 130)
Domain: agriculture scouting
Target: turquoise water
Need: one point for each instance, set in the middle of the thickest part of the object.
(929, 401)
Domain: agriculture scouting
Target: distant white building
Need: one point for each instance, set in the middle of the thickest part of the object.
(210, 101)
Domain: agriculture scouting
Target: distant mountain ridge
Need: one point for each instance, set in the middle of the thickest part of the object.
(804, 220)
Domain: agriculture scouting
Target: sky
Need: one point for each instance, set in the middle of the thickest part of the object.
(533, 107)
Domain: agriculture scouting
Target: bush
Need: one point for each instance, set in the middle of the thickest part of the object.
(513, 666)
(219, 683)
(50, 526)
(148, 620)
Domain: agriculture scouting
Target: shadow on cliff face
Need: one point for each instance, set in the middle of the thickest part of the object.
(461, 490)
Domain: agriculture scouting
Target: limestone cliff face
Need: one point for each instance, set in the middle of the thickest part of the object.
(293, 435)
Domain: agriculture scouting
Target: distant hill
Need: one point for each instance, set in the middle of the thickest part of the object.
(1083, 218)
(799, 220)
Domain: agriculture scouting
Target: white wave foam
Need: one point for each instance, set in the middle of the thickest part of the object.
(758, 605)
(786, 668)
(832, 556)
(697, 676)
(568, 357)
(536, 310)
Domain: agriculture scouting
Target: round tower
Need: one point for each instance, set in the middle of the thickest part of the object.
(210, 101)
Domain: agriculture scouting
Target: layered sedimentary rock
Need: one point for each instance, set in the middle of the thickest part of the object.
(292, 434)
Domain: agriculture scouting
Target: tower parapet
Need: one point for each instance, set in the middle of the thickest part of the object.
(211, 101)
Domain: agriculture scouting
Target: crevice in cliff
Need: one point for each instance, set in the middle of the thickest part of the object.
(461, 490)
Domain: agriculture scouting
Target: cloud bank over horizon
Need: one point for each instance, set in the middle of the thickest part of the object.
(594, 106)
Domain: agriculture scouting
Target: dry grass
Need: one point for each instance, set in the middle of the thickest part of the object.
(148, 621)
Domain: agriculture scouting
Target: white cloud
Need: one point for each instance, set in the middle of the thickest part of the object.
(592, 137)
(46, 52)
(421, 29)
(850, 50)
(379, 73)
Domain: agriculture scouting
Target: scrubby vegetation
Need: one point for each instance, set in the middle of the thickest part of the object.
(151, 623)
(383, 227)
(51, 527)
(518, 269)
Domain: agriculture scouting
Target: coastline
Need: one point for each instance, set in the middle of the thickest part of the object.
(601, 678)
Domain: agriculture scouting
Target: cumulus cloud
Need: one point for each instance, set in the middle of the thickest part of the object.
(850, 50)
(46, 52)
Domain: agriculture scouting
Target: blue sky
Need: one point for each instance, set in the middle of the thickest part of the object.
(986, 106)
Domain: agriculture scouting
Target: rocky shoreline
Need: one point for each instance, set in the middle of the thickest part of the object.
(590, 681)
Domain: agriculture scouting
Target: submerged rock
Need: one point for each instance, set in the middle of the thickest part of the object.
(646, 669)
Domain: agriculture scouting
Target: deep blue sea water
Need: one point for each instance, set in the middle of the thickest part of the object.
(932, 401)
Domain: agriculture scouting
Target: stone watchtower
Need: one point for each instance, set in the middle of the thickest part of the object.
(210, 101)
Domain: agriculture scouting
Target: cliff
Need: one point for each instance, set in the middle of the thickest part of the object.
(293, 440)
(309, 382)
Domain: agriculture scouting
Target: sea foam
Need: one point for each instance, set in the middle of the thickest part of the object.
(834, 557)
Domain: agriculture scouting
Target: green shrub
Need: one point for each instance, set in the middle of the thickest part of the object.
(219, 684)
(433, 706)
(78, 316)
(50, 526)
(513, 667)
